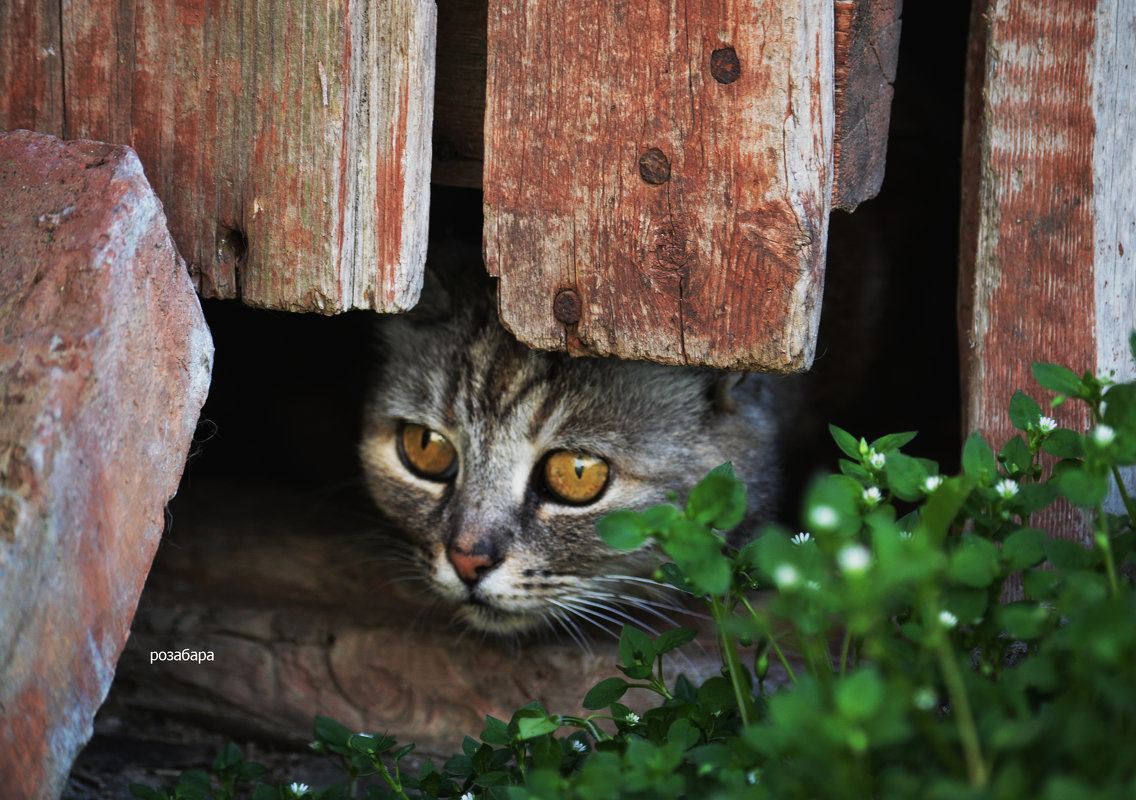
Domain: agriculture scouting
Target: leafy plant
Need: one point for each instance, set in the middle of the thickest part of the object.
(907, 674)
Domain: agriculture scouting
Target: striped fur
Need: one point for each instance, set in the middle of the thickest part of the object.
(504, 407)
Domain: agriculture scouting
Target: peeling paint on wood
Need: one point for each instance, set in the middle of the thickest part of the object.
(300, 129)
(718, 263)
(1048, 193)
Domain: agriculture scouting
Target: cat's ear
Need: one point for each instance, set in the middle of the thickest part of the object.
(721, 391)
(454, 280)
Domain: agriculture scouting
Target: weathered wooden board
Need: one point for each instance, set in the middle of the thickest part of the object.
(658, 176)
(105, 360)
(289, 142)
(1049, 199)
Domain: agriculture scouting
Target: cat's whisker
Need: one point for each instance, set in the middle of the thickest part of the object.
(613, 608)
(635, 602)
(571, 628)
(594, 611)
(586, 615)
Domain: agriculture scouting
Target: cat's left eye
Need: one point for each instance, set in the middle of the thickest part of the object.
(426, 452)
(574, 477)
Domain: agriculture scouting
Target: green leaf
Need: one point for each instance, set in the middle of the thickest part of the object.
(892, 441)
(718, 500)
(1024, 620)
(674, 639)
(975, 562)
(1016, 457)
(1068, 556)
(860, 695)
(496, 732)
(147, 792)
(262, 791)
(1120, 408)
(1081, 487)
(230, 756)
(905, 476)
(1025, 413)
(847, 443)
(530, 727)
(1023, 548)
(1057, 378)
(978, 459)
(331, 732)
(635, 647)
(1035, 496)
(942, 507)
(622, 530)
(604, 693)
(1064, 443)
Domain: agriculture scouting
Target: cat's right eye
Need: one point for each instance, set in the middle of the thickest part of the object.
(426, 452)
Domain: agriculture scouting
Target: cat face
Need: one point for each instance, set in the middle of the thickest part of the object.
(496, 461)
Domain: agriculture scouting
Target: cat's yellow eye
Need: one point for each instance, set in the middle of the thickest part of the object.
(426, 452)
(575, 477)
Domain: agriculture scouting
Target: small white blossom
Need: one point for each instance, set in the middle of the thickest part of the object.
(631, 717)
(751, 777)
(924, 698)
(812, 586)
(1006, 488)
(854, 558)
(802, 537)
(1047, 425)
(873, 496)
(298, 789)
(786, 576)
(877, 460)
(1103, 435)
(579, 746)
(467, 796)
(823, 517)
(932, 483)
(906, 536)
(947, 619)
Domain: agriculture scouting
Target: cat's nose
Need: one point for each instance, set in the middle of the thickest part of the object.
(472, 566)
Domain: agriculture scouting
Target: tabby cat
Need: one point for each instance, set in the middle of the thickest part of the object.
(496, 461)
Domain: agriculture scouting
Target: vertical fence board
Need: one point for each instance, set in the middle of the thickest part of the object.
(658, 176)
(1047, 207)
(289, 142)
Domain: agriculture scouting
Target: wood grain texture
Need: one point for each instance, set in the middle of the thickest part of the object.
(31, 67)
(866, 42)
(721, 263)
(1047, 207)
(289, 142)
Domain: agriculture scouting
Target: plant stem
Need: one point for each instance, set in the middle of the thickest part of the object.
(1102, 541)
(960, 705)
(1129, 506)
(733, 663)
(772, 641)
(844, 650)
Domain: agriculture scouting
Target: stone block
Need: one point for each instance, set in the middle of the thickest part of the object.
(105, 361)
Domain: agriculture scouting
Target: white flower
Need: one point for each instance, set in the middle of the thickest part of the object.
(297, 789)
(802, 537)
(947, 619)
(812, 586)
(877, 460)
(631, 717)
(823, 517)
(1006, 488)
(751, 777)
(873, 496)
(1047, 425)
(786, 576)
(906, 536)
(579, 746)
(924, 698)
(932, 483)
(1103, 435)
(854, 558)
(467, 796)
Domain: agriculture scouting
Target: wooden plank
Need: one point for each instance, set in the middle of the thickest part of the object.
(1046, 240)
(665, 171)
(31, 67)
(866, 52)
(289, 142)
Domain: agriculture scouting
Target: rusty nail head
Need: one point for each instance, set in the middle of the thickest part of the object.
(566, 306)
(654, 168)
(725, 66)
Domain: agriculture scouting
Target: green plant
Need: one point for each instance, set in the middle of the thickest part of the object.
(908, 676)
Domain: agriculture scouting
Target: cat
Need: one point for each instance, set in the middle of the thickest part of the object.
(496, 461)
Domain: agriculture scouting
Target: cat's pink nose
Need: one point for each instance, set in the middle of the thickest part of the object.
(470, 567)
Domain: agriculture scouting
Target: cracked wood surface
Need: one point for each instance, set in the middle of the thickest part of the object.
(668, 167)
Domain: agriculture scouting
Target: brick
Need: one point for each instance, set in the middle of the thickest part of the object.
(105, 361)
